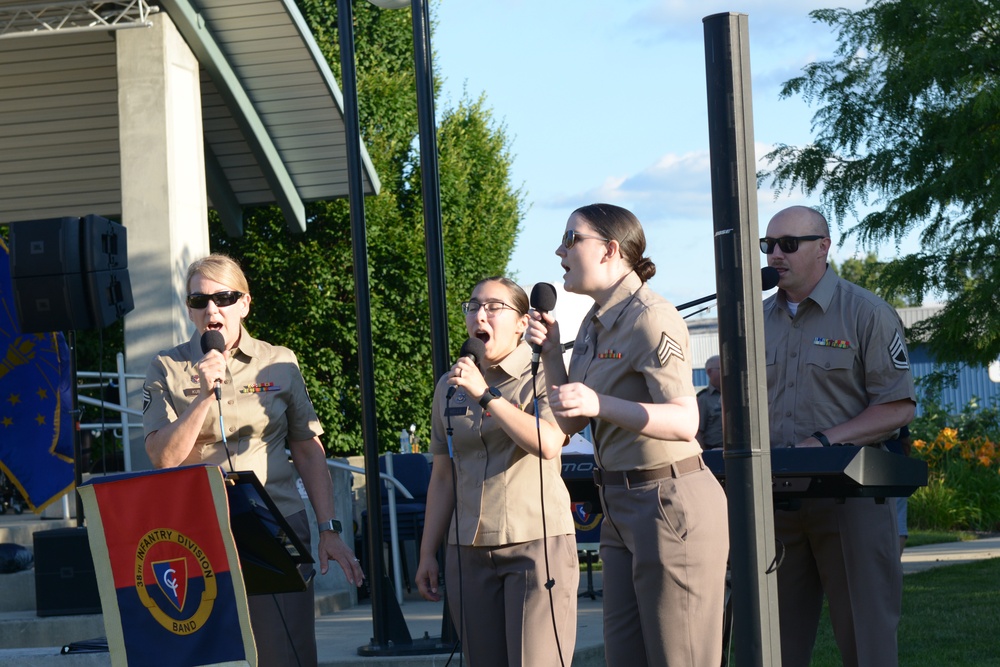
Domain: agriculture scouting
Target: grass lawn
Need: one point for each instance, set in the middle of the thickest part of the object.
(950, 617)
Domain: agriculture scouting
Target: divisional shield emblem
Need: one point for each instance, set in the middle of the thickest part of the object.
(172, 578)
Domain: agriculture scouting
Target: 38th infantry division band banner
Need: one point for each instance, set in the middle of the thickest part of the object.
(167, 569)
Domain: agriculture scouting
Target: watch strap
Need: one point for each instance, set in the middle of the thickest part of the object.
(819, 435)
(488, 395)
(333, 525)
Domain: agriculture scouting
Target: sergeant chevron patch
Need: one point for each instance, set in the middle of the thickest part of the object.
(668, 348)
(897, 351)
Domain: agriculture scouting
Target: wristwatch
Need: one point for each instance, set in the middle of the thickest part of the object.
(489, 395)
(819, 435)
(333, 525)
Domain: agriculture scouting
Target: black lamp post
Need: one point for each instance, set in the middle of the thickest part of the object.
(390, 634)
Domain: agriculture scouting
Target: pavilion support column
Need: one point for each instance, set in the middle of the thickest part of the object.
(164, 203)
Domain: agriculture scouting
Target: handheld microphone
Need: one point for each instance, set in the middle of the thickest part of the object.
(474, 349)
(769, 278)
(543, 299)
(214, 340)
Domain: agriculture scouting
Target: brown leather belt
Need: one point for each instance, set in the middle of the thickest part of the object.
(631, 478)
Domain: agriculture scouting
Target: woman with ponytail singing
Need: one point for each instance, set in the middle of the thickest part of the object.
(496, 490)
(664, 539)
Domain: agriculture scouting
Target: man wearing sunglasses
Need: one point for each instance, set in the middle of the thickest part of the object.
(837, 372)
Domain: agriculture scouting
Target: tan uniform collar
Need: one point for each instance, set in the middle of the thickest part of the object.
(249, 346)
(609, 312)
(513, 364)
(821, 294)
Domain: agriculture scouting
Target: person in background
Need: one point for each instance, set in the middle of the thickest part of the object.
(506, 477)
(837, 372)
(710, 407)
(665, 535)
(266, 409)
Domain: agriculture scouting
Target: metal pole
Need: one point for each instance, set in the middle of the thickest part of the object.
(431, 187)
(77, 444)
(389, 626)
(741, 341)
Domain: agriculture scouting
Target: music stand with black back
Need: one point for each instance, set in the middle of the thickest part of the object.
(269, 550)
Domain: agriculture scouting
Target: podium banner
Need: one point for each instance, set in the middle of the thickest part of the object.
(167, 569)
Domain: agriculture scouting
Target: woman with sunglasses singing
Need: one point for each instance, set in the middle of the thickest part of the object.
(511, 530)
(664, 539)
(264, 408)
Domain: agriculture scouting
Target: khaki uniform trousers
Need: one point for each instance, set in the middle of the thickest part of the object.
(502, 608)
(284, 624)
(850, 551)
(665, 545)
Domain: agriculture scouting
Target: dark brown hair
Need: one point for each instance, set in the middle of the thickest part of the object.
(619, 224)
(517, 294)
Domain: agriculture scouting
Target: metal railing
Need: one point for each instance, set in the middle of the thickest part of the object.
(122, 426)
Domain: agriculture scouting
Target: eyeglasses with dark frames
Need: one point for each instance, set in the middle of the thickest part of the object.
(570, 237)
(492, 307)
(788, 244)
(220, 299)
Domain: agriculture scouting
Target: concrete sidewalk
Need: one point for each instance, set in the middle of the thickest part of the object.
(340, 635)
(917, 559)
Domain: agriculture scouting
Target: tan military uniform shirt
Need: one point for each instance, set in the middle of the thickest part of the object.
(843, 351)
(636, 348)
(499, 499)
(710, 417)
(264, 405)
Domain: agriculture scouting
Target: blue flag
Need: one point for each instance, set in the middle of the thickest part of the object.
(36, 421)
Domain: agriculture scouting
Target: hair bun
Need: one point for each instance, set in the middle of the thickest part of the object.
(645, 269)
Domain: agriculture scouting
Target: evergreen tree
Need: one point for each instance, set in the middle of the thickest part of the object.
(302, 284)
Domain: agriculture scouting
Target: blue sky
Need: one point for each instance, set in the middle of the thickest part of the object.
(604, 100)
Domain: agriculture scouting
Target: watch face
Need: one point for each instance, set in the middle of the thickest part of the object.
(495, 392)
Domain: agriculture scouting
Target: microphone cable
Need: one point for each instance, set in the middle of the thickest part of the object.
(449, 431)
(543, 299)
(549, 581)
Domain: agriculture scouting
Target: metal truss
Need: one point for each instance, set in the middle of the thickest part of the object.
(45, 18)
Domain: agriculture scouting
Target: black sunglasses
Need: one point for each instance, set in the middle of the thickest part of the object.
(787, 244)
(220, 299)
(570, 237)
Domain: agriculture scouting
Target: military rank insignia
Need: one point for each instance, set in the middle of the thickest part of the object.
(897, 351)
(667, 348)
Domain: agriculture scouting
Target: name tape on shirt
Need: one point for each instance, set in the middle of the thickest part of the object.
(668, 348)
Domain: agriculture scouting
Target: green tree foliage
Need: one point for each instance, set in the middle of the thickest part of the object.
(302, 284)
(908, 122)
(867, 273)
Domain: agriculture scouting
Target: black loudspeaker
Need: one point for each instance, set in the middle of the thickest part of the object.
(69, 273)
(65, 580)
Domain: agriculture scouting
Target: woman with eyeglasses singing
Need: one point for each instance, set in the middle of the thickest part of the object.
(664, 539)
(265, 408)
(506, 477)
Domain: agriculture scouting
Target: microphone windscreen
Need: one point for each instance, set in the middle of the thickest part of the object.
(543, 297)
(213, 340)
(769, 278)
(475, 349)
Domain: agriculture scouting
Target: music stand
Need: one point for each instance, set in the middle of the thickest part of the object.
(269, 550)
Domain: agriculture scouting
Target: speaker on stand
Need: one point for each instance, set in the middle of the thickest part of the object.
(70, 274)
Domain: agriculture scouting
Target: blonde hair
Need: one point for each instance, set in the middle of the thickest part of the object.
(221, 269)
